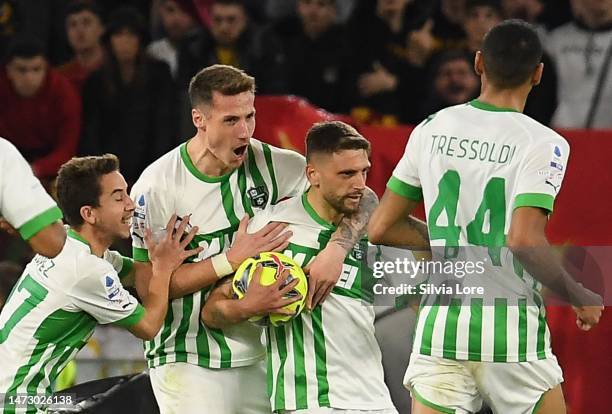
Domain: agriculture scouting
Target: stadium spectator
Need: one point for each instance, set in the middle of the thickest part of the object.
(9, 274)
(84, 30)
(582, 51)
(178, 21)
(544, 14)
(383, 81)
(454, 82)
(234, 40)
(283, 9)
(448, 21)
(40, 112)
(130, 103)
(316, 49)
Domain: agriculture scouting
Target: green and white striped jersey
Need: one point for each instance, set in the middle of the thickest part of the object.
(473, 164)
(328, 357)
(52, 312)
(23, 201)
(172, 184)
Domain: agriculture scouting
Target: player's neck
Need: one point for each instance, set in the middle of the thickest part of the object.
(204, 160)
(507, 98)
(322, 207)
(97, 242)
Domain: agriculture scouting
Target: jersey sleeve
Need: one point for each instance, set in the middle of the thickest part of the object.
(541, 175)
(405, 179)
(24, 203)
(122, 265)
(287, 171)
(150, 212)
(100, 293)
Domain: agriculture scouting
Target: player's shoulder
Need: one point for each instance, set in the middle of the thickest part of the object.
(540, 134)
(259, 147)
(157, 174)
(7, 150)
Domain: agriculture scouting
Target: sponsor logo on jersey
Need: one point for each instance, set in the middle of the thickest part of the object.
(258, 196)
(139, 219)
(111, 289)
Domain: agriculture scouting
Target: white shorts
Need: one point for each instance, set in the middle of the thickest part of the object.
(326, 410)
(460, 387)
(182, 388)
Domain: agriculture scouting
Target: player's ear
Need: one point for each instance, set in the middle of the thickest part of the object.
(537, 75)
(312, 175)
(197, 117)
(88, 214)
(478, 63)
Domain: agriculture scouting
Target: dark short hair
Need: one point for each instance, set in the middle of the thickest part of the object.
(512, 50)
(78, 184)
(333, 136)
(25, 47)
(240, 3)
(79, 6)
(451, 56)
(227, 80)
(127, 17)
(493, 4)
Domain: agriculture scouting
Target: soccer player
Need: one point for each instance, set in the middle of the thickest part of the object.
(326, 360)
(489, 176)
(219, 176)
(26, 206)
(58, 302)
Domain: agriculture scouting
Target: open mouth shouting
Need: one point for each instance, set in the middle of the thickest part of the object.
(240, 152)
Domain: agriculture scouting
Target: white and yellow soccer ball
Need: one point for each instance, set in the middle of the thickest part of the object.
(273, 264)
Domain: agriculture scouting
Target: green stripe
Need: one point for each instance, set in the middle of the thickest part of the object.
(428, 328)
(37, 293)
(489, 107)
(301, 398)
(500, 330)
(320, 357)
(202, 341)
(537, 405)
(228, 203)
(197, 173)
(246, 203)
(269, 373)
(475, 330)
(450, 329)
(127, 264)
(281, 346)
(429, 404)
(140, 255)
(57, 369)
(135, 317)
(541, 342)
(58, 352)
(270, 165)
(181, 332)
(160, 351)
(522, 333)
(545, 201)
(21, 375)
(404, 189)
(315, 216)
(254, 170)
(31, 227)
(226, 352)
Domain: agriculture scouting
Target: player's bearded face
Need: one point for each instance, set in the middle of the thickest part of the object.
(114, 214)
(230, 123)
(343, 179)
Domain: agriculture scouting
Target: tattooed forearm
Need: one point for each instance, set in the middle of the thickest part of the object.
(421, 228)
(353, 227)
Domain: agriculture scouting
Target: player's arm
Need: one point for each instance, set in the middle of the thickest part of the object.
(222, 309)
(392, 225)
(527, 241)
(48, 242)
(166, 256)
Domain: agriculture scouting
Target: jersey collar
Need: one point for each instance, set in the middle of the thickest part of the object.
(314, 215)
(76, 236)
(488, 107)
(197, 173)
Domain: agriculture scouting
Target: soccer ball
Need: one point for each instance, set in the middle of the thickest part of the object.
(273, 265)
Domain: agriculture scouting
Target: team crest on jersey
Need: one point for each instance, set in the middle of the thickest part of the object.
(258, 196)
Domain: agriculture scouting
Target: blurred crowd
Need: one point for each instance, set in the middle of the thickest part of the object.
(81, 77)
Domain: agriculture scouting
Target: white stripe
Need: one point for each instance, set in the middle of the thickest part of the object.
(309, 360)
(191, 345)
(487, 333)
(463, 331)
(437, 340)
(512, 338)
(418, 333)
(214, 351)
(532, 328)
(289, 380)
(275, 363)
(177, 315)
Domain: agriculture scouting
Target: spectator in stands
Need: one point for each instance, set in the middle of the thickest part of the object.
(178, 21)
(454, 82)
(130, 103)
(384, 82)
(283, 9)
(233, 40)
(84, 30)
(448, 22)
(582, 51)
(9, 274)
(40, 111)
(316, 49)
